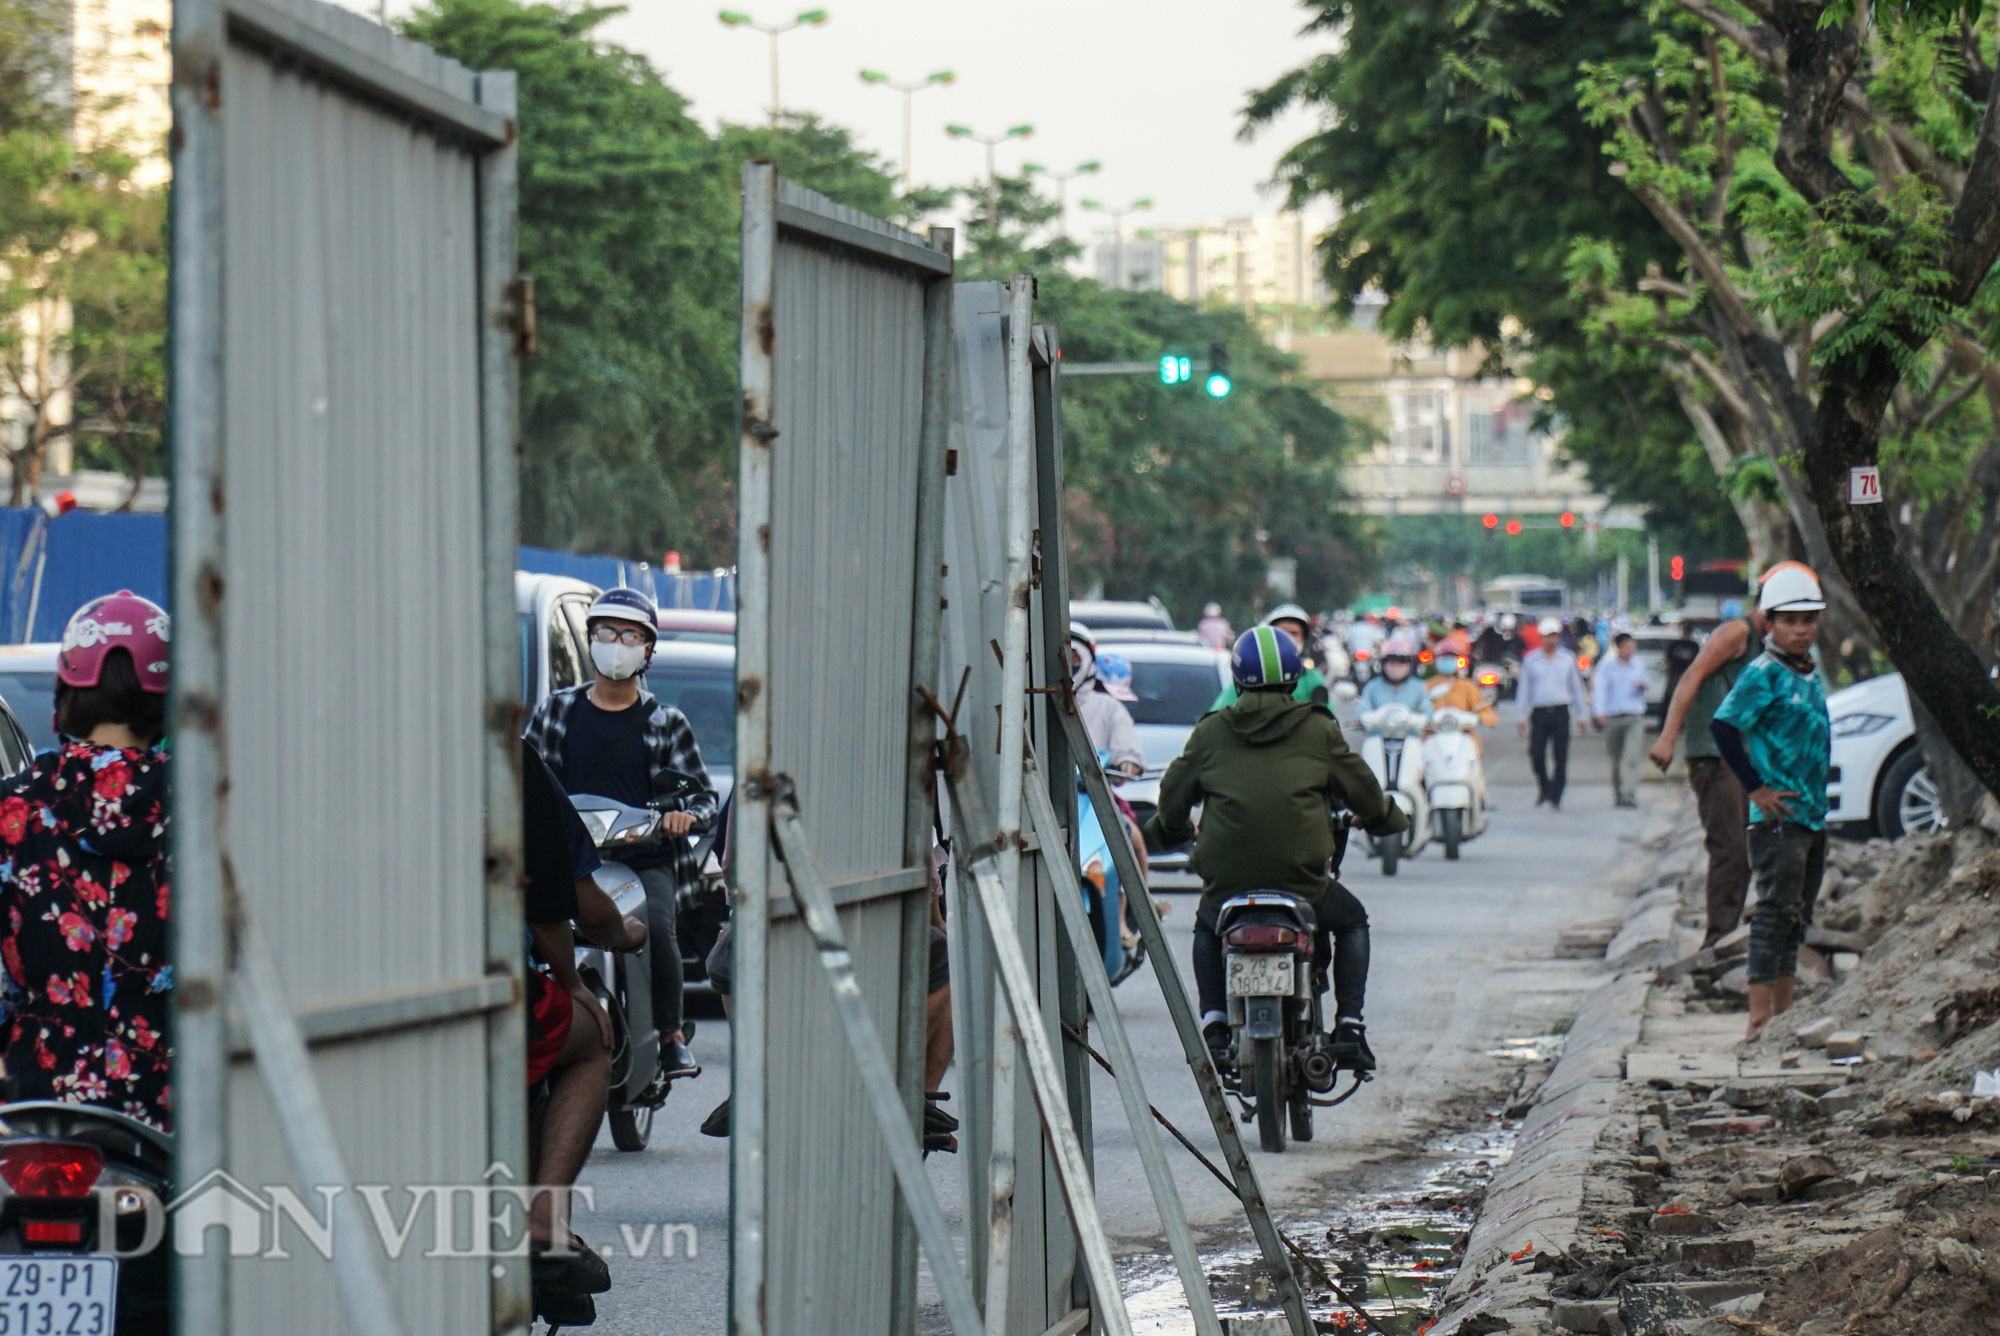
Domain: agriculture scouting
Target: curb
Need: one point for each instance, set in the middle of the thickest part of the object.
(1537, 1196)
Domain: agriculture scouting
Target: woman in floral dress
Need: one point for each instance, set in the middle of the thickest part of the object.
(83, 876)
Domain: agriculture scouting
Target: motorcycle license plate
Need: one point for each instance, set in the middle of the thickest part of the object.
(58, 1295)
(1254, 976)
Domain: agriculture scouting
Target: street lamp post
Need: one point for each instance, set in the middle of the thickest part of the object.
(811, 18)
(1117, 217)
(909, 91)
(1062, 180)
(992, 179)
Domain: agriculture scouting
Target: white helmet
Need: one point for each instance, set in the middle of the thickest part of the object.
(1790, 586)
(1551, 626)
(1287, 612)
(1507, 622)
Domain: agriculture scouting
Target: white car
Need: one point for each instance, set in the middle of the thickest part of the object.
(1878, 784)
(1176, 684)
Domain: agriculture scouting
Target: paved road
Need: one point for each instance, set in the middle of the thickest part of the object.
(1462, 959)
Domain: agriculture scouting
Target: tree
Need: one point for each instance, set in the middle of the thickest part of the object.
(1821, 200)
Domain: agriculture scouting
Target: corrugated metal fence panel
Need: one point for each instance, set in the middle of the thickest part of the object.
(975, 560)
(357, 825)
(847, 402)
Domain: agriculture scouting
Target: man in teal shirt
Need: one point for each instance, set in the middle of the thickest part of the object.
(1773, 732)
(1292, 620)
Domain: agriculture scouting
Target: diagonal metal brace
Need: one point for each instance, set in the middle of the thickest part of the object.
(877, 1076)
(1124, 1066)
(1175, 992)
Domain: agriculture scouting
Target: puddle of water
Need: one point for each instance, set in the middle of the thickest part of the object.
(1399, 1247)
(1530, 1048)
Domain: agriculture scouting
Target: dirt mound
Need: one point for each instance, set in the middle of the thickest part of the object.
(1935, 1274)
(1926, 989)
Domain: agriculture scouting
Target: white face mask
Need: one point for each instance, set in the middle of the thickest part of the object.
(617, 661)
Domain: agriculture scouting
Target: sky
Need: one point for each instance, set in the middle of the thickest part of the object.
(1153, 91)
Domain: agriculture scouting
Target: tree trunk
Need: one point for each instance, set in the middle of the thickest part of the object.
(1939, 667)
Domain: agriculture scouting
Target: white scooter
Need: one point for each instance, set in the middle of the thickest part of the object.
(1394, 750)
(1455, 778)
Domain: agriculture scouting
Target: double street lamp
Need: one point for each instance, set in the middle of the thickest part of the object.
(909, 91)
(1117, 217)
(811, 18)
(992, 179)
(1062, 180)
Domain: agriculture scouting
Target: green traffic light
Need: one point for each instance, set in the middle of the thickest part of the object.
(1218, 386)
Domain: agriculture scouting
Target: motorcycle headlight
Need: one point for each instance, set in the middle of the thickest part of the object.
(1860, 725)
(599, 821)
(635, 833)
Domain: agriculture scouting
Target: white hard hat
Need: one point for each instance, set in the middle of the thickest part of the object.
(1287, 612)
(1790, 586)
(1550, 626)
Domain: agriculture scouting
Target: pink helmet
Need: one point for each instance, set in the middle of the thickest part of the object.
(117, 621)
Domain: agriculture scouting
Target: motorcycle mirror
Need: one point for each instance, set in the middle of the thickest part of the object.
(670, 784)
(1345, 691)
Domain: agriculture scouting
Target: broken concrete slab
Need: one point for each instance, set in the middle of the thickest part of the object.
(1655, 1310)
(1797, 1174)
(1826, 939)
(1720, 1129)
(1747, 1094)
(1717, 1254)
(1681, 1221)
(1846, 1044)
(1586, 941)
(1584, 1316)
(1815, 1035)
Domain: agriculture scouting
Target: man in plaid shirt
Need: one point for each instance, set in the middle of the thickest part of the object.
(611, 739)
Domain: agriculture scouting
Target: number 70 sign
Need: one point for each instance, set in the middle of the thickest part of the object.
(1864, 486)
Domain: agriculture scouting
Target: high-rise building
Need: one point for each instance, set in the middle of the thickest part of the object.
(1263, 261)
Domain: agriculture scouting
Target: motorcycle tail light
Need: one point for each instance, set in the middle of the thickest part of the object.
(1583, 663)
(50, 1168)
(1361, 654)
(1489, 679)
(1263, 936)
(52, 1231)
(1423, 656)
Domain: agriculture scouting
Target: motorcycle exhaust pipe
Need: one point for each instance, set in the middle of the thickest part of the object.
(1318, 1070)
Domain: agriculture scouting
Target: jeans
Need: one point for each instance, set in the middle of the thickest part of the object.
(1338, 914)
(1548, 727)
(1725, 819)
(1790, 861)
(663, 946)
(1622, 735)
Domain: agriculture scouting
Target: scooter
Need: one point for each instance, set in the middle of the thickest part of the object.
(623, 980)
(83, 1220)
(1278, 1036)
(1454, 779)
(1398, 763)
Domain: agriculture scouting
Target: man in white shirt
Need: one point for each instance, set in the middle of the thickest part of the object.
(1619, 690)
(1549, 697)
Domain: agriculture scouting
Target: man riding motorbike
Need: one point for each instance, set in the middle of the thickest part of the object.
(1269, 770)
(609, 737)
(1295, 623)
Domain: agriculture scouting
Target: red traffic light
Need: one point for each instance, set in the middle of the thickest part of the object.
(1513, 526)
(1674, 568)
(1491, 521)
(1568, 520)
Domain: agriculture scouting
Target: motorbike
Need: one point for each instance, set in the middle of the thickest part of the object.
(1394, 751)
(623, 980)
(83, 1220)
(1453, 778)
(1278, 1036)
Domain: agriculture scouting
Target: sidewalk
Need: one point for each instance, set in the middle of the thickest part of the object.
(1672, 1180)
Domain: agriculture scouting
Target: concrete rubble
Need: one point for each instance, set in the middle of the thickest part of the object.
(1838, 1177)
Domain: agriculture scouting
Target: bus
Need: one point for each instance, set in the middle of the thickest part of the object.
(1533, 594)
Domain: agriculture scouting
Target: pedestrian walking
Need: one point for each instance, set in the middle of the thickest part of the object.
(1774, 734)
(1720, 802)
(1213, 628)
(1550, 695)
(1619, 694)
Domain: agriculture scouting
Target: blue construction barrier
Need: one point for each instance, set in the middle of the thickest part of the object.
(51, 567)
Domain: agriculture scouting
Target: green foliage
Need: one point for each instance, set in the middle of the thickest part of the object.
(1457, 141)
(627, 224)
(816, 153)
